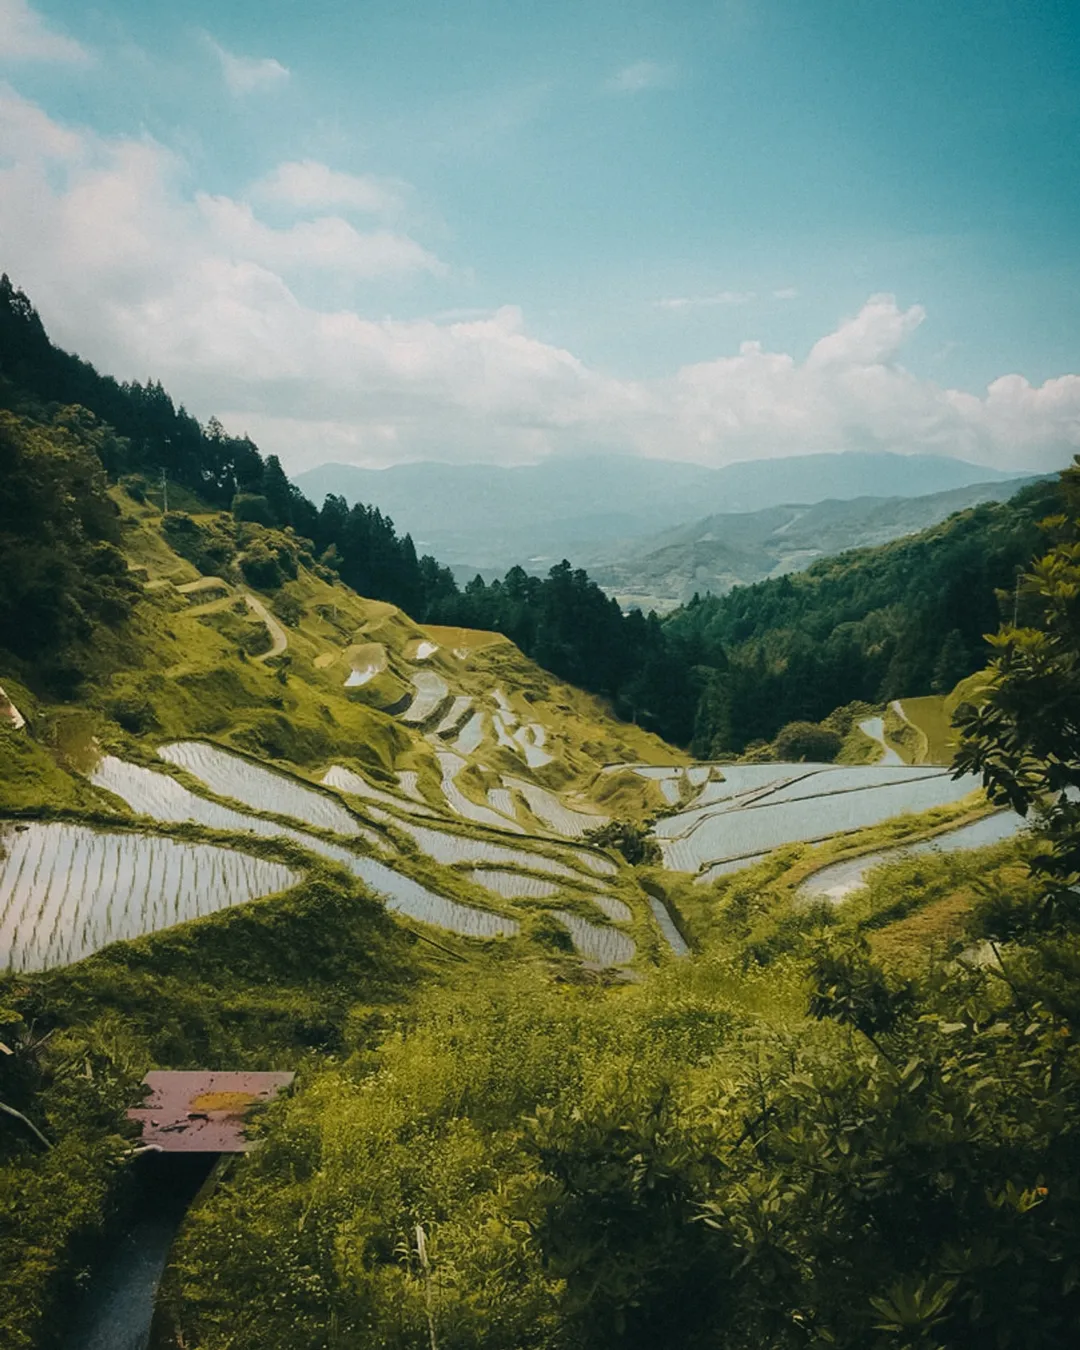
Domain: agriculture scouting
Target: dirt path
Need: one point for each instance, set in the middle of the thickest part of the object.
(204, 584)
(279, 638)
(874, 727)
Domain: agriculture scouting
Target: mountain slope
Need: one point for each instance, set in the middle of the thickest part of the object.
(737, 548)
(902, 619)
(489, 517)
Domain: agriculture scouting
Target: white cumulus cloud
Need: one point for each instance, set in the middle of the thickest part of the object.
(25, 36)
(145, 278)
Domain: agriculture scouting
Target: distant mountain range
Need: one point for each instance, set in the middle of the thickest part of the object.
(736, 548)
(486, 518)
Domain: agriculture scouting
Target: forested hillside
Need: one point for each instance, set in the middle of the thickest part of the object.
(875, 624)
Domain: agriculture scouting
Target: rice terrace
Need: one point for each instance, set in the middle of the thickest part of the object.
(539, 677)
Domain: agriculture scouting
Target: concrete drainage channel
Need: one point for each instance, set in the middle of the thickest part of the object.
(118, 1309)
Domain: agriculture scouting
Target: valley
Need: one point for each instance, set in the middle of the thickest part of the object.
(599, 1038)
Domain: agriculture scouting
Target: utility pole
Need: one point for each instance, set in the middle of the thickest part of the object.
(164, 494)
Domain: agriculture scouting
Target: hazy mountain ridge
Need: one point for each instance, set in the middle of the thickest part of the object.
(737, 548)
(491, 517)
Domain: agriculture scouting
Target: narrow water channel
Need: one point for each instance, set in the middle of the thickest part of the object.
(117, 1311)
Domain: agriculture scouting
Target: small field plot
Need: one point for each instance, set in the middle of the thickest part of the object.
(605, 946)
(344, 780)
(163, 798)
(408, 897)
(502, 802)
(745, 785)
(839, 880)
(456, 718)
(513, 885)
(459, 848)
(451, 765)
(262, 789)
(67, 890)
(547, 807)
(409, 781)
(472, 735)
(532, 737)
(431, 689)
(365, 661)
(603, 867)
(616, 910)
(765, 823)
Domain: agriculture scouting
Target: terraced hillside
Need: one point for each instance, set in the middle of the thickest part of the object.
(280, 825)
(250, 730)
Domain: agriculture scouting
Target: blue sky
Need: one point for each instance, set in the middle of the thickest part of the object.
(495, 232)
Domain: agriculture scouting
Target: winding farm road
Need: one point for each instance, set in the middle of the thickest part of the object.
(874, 727)
(279, 640)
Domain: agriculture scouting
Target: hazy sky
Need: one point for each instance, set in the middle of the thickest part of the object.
(489, 231)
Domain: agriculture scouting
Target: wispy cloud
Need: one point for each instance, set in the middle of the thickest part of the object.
(247, 74)
(307, 184)
(785, 293)
(707, 301)
(25, 36)
(641, 75)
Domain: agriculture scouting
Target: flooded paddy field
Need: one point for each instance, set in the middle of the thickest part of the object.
(449, 848)
(345, 780)
(558, 817)
(67, 890)
(431, 690)
(839, 880)
(144, 791)
(450, 765)
(163, 798)
(666, 924)
(606, 946)
(758, 808)
(262, 789)
(618, 911)
(513, 885)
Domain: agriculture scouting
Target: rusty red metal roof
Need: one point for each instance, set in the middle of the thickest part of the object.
(202, 1110)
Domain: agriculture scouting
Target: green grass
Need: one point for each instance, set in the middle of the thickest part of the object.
(929, 715)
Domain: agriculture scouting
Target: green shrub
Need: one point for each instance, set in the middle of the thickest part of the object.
(807, 741)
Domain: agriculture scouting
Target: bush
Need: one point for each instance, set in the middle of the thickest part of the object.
(288, 609)
(251, 506)
(133, 714)
(807, 740)
(631, 840)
